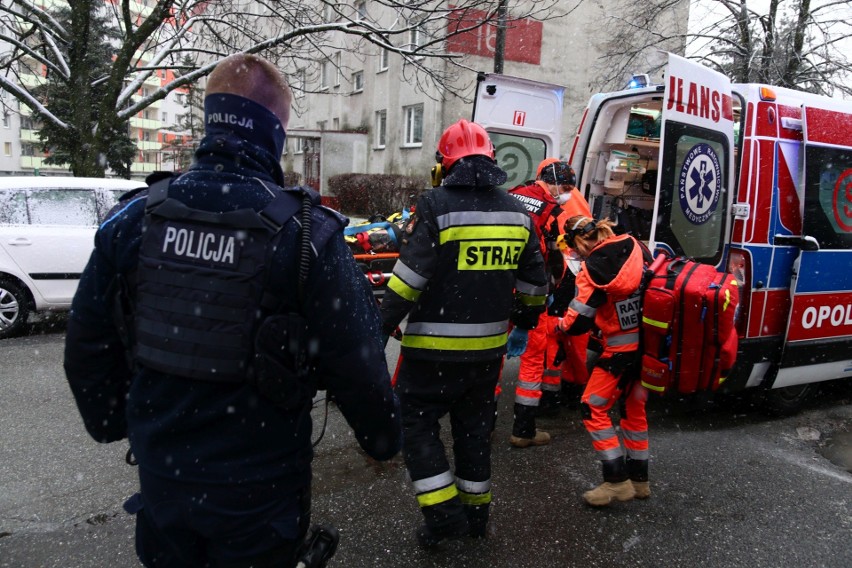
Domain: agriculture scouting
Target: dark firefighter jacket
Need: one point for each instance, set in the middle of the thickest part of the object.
(471, 245)
(225, 433)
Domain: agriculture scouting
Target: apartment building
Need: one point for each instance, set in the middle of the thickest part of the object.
(360, 108)
(369, 114)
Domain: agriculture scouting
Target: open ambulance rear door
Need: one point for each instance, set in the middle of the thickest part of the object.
(818, 342)
(523, 119)
(696, 167)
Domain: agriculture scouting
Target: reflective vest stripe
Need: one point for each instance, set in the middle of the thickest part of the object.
(414, 280)
(475, 499)
(634, 435)
(453, 343)
(532, 300)
(484, 232)
(473, 486)
(623, 339)
(582, 309)
(457, 329)
(432, 483)
(404, 290)
(462, 218)
(437, 497)
(530, 289)
(601, 435)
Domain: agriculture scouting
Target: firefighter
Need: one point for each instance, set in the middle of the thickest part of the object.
(203, 289)
(608, 297)
(538, 376)
(470, 248)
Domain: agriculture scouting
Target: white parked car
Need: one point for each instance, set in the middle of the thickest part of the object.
(47, 228)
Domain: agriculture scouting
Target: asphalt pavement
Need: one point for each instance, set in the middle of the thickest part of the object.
(730, 486)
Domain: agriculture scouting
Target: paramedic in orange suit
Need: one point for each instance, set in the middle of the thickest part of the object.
(566, 376)
(608, 296)
(537, 375)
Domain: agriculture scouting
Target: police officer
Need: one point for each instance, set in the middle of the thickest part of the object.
(608, 297)
(236, 299)
(471, 246)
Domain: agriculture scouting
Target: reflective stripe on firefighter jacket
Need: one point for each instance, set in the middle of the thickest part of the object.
(608, 294)
(467, 243)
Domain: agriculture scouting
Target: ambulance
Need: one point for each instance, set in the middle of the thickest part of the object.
(749, 178)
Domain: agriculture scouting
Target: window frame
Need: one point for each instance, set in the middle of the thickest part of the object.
(409, 122)
(380, 135)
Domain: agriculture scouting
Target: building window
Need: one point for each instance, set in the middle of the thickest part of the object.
(299, 145)
(358, 81)
(164, 116)
(7, 148)
(384, 56)
(5, 119)
(300, 83)
(361, 10)
(325, 74)
(335, 124)
(337, 69)
(329, 14)
(416, 35)
(321, 124)
(381, 128)
(413, 125)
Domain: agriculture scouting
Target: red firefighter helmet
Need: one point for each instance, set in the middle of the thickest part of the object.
(464, 138)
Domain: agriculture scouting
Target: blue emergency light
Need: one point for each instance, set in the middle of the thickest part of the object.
(639, 81)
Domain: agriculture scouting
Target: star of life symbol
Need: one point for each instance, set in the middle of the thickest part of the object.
(700, 183)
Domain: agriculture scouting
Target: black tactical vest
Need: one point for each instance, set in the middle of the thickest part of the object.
(200, 286)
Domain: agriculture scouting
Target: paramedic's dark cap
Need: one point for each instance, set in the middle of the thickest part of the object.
(558, 173)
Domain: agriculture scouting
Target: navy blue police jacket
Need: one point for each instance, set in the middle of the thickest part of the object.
(226, 433)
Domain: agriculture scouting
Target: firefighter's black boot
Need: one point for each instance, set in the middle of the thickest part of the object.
(524, 432)
(444, 521)
(616, 485)
(477, 518)
(637, 470)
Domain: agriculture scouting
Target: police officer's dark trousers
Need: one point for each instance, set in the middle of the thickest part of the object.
(453, 503)
(186, 525)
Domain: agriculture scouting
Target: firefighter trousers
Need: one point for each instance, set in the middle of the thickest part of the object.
(451, 501)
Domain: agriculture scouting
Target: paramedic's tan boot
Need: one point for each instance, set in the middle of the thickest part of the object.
(603, 494)
(541, 438)
(642, 488)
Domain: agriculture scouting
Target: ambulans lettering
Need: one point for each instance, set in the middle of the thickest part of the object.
(700, 183)
(229, 118)
(835, 316)
(629, 312)
(217, 247)
(489, 256)
(693, 99)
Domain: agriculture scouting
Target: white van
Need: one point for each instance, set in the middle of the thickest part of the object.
(47, 228)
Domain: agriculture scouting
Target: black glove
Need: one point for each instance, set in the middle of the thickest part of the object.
(560, 356)
(562, 295)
